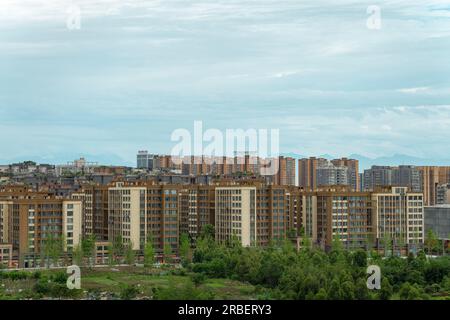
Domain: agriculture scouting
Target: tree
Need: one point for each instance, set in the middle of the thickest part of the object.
(77, 255)
(167, 252)
(52, 249)
(149, 253)
(198, 279)
(431, 241)
(185, 248)
(387, 244)
(385, 290)
(401, 243)
(129, 254)
(305, 240)
(88, 248)
(117, 248)
(359, 258)
(207, 232)
(321, 295)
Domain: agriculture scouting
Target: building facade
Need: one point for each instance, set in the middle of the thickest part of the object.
(399, 216)
(437, 219)
(443, 194)
(433, 176)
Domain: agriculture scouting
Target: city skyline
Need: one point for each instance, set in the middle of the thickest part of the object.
(137, 70)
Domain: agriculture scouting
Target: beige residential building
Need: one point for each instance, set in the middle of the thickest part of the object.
(235, 215)
(29, 219)
(72, 223)
(6, 254)
(5, 215)
(127, 214)
(399, 216)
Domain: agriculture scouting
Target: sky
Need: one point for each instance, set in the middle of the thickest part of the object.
(135, 71)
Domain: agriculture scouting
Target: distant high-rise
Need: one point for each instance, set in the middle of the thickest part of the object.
(352, 166)
(401, 176)
(315, 172)
(143, 160)
(331, 175)
(377, 176)
(286, 172)
(443, 194)
(432, 176)
(307, 171)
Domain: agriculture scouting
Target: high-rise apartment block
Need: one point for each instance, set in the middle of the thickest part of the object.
(235, 215)
(240, 165)
(432, 177)
(30, 220)
(317, 172)
(253, 212)
(400, 216)
(443, 194)
(402, 176)
(352, 166)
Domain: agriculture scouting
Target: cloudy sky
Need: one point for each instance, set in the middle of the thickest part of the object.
(137, 70)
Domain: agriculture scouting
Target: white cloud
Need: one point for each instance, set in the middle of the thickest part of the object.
(414, 90)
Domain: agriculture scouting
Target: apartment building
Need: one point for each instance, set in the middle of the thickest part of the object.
(6, 255)
(377, 176)
(336, 212)
(316, 172)
(432, 177)
(399, 216)
(142, 211)
(197, 205)
(330, 175)
(401, 176)
(127, 215)
(307, 171)
(5, 214)
(345, 215)
(95, 210)
(352, 166)
(443, 194)
(139, 210)
(437, 219)
(235, 215)
(77, 166)
(286, 171)
(247, 165)
(30, 219)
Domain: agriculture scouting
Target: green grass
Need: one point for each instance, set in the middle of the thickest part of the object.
(106, 280)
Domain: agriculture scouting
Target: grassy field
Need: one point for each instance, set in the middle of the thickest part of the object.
(126, 283)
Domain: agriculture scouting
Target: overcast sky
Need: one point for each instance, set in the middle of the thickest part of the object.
(137, 70)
